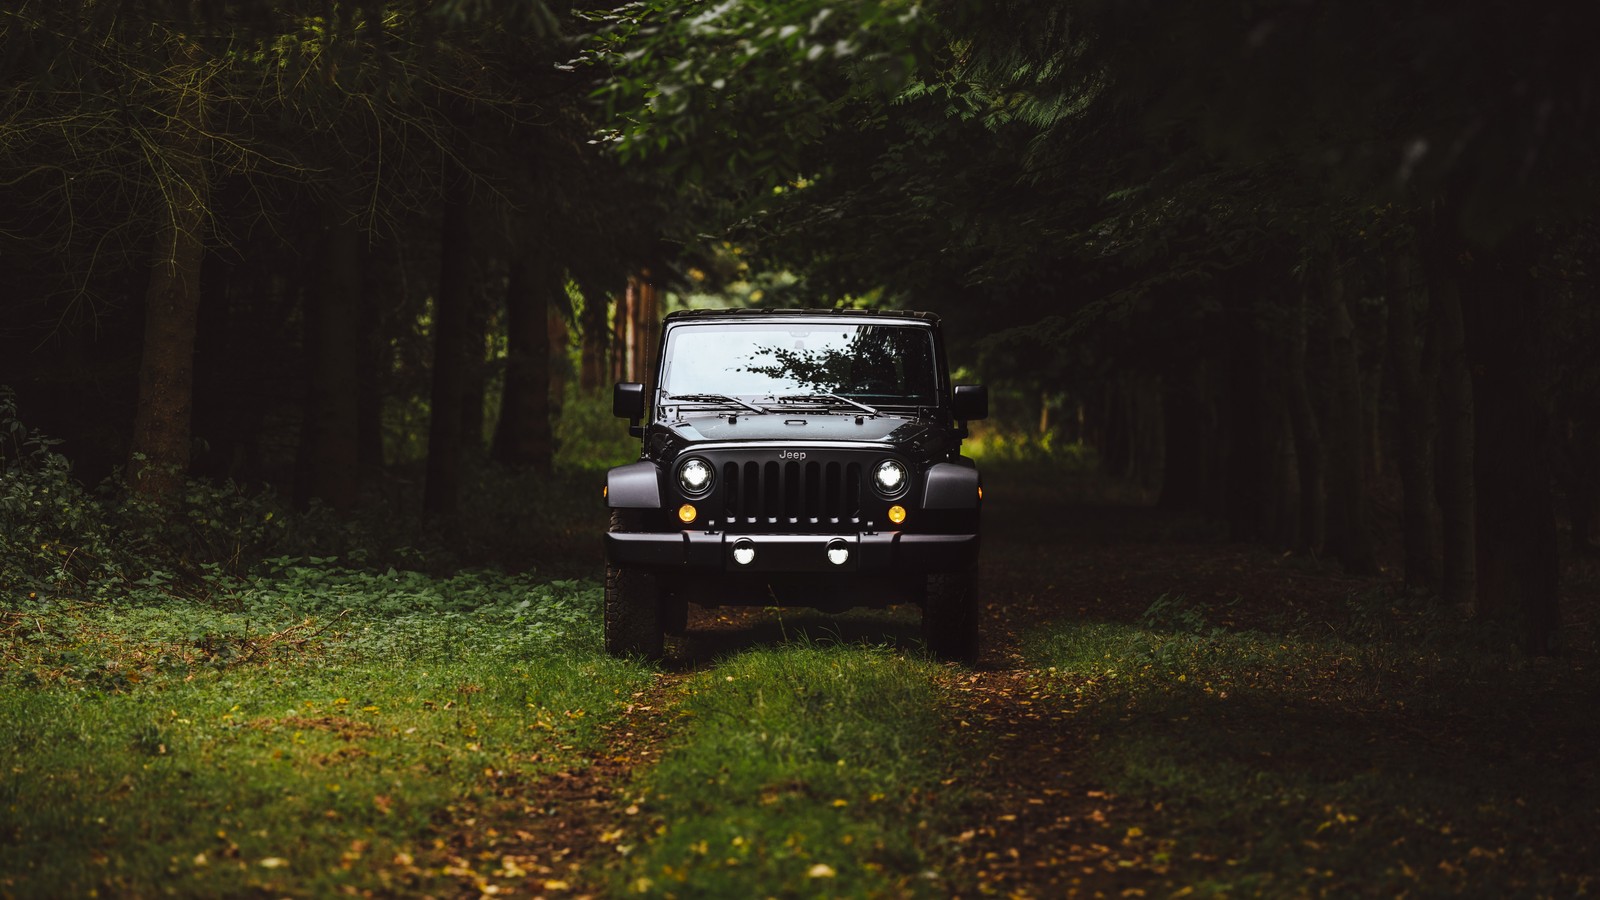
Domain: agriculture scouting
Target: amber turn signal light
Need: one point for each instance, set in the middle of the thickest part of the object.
(897, 514)
(687, 513)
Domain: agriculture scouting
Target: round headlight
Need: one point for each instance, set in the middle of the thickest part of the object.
(694, 476)
(889, 477)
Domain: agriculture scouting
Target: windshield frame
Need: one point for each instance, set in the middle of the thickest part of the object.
(769, 398)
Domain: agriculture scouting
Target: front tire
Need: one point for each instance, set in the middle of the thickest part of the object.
(950, 615)
(632, 613)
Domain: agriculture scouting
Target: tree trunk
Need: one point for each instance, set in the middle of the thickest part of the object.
(1242, 423)
(523, 435)
(644, 306)
(159, 453)
(330, 444)
(1585, 501)
(1415, 373)
(1149, 440)
(1505, 313)
(1310, 455)
(1213, 440)
(559, 366)
(475, 364)
(1372, 342)
(1182, 470)
(1275, 510)
(1116, 448)
(450, 322)
(1455, 450)
(1348, 537)
(381, 285)
(592, 321)
(620, 340)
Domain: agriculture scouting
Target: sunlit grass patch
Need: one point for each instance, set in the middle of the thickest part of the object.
(310, 740)
(1297, 764)
(801, 771)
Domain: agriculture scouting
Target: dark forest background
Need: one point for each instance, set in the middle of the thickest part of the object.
(1321, 272)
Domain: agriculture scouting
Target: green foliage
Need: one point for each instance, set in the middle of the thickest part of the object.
(588, 437)
(53, 533)
(797, 775)
(993, 445)
(755, 79)
(61, 541)
(317, 738)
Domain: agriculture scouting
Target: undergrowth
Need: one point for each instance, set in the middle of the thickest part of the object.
(230, 696)
(61, 539)
(310, 735)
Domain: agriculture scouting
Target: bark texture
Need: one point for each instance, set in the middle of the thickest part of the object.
(159, 453)
(1348, 537)
(451, 315)
(1509, 347)
(523, 436)
(330, 436)
(1454, 480)
(1415, 372)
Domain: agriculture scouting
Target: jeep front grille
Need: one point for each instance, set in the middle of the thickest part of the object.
(792, 493)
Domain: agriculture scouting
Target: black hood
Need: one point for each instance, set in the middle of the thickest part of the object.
(805, 427)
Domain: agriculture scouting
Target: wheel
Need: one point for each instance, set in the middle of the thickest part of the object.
(632, 613)
(950, 615)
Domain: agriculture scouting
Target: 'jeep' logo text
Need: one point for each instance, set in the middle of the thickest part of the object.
(791, 454)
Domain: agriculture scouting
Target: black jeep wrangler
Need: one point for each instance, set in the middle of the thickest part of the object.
(796, 458)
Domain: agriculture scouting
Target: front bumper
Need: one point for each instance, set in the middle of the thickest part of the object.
(886, 552)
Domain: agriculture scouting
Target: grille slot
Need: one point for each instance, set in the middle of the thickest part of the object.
(792, 494)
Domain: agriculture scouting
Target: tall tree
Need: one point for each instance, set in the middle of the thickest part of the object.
(1414, 362)
(330, 433)
(523, 435)
(1348, 536)
(178, 152)
(451, 334)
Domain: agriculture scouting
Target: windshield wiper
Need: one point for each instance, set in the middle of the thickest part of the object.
(715, 398)
(801, 398)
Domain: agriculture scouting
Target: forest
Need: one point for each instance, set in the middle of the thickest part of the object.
(311, 313)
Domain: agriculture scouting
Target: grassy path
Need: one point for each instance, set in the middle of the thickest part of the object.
(1156, 713)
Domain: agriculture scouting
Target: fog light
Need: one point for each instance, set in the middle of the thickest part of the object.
(687, 513)
(838, 552)
(744, 553)
(897, 514)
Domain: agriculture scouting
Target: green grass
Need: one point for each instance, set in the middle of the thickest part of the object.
(320, 734)
(800, 771)
(1292, 765)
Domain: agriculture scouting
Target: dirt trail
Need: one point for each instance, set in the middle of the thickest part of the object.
(545, 837)
(1035, 826)
(1073, 550)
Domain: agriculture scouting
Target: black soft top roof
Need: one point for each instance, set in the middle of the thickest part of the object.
(744, 313)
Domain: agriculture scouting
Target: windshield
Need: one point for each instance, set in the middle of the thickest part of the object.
(874, 363)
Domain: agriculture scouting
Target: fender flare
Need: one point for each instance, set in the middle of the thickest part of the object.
(634, 486)
(950, 486)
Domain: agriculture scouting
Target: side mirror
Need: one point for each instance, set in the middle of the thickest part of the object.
(627, 400)
(969, 402)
